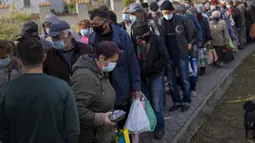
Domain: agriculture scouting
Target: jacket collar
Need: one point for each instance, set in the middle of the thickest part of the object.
(115, 36)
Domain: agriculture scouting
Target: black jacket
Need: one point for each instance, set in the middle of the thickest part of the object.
(236, 14)
(185, 32)
(56, 65)
(155, 60)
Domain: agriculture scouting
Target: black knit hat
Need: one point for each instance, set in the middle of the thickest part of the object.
(167, 5)
(154, 6)
(140, 27)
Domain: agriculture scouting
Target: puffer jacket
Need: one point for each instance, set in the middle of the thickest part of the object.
(94, 96)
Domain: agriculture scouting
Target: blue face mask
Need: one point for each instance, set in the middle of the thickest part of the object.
(110, 67)
(84, 32)
(168, 17)
(5, 62)
(133, 18)
(126, 17)
(59, 44)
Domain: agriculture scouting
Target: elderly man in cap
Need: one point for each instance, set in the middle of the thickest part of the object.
(50, 19)
(65, 52)
(152, 64)
(179, 33)
(30, 30)
(137, 13)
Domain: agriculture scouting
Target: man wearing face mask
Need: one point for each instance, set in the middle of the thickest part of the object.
(152, 58)
(65, 52)
(30, 30)
(125, 78)
(9, 69)
(179, 33)
(126, 23)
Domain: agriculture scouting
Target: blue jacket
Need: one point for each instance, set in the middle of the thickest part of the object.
(126, 75)
(197, 25)
(205, 28)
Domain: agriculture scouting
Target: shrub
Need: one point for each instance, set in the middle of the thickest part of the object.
(11, 23)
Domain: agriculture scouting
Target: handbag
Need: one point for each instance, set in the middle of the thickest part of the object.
(122, 135)
(252, 31)
(227, 55)
(212, 56)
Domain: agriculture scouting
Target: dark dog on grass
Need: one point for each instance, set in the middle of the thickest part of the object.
(249, 117)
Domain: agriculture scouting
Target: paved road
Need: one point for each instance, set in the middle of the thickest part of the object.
(175, 121)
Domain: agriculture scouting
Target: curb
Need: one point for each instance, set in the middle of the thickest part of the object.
(208, 104)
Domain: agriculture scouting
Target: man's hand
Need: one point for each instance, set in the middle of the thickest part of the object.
(138, 94)
(189, 47)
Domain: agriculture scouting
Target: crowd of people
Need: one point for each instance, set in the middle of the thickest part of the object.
(62, 86)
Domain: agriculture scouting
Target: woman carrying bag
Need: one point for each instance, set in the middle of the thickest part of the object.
(95, 97)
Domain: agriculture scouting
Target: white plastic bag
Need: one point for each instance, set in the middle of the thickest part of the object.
(137, 121)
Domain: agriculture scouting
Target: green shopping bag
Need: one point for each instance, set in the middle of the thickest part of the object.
(230, 44)
(150, 113)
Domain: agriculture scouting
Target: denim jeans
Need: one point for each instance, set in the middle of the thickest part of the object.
(182, 66)
(154, 93)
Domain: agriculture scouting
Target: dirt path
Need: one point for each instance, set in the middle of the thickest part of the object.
(225, 124)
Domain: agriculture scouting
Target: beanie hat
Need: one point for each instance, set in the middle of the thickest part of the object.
(154, 6)
(167, 5)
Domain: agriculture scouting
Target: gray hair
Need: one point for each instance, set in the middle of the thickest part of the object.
(216, 14)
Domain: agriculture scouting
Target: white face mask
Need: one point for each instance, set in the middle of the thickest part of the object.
(213, 7)
(228, 6)
(110, 67)
(47, 30)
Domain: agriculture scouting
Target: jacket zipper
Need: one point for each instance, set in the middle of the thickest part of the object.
(149, 46)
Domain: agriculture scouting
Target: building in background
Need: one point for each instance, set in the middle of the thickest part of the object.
(32, 6)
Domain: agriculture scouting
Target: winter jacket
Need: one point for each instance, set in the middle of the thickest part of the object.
(197, 25)
(9, 72)
(219, 31)
(126, 75)
(94, 95)
(250, 14)
(185, 32)
(57, 66)
(155, 59)
(205, 28)
(236, 14)
(242, 9)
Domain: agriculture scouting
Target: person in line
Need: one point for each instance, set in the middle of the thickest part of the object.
(36, 107)
(250, 15)
(9, 69)
(94, 94)
(145, 6)
(239, 5)
(238, 19)
(197, 42)
(65, 52)
(30, 30)
(125, 78)
(179, 33)
(220, 35)
(48, 21)
(152, 58)
(202, 62)
(155, 13)
(85, 30)
(137, 13)
(126, 23)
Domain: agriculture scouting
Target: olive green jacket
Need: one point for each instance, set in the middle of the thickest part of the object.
(94, 96)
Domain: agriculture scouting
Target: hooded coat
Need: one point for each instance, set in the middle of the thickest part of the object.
(94, 94)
